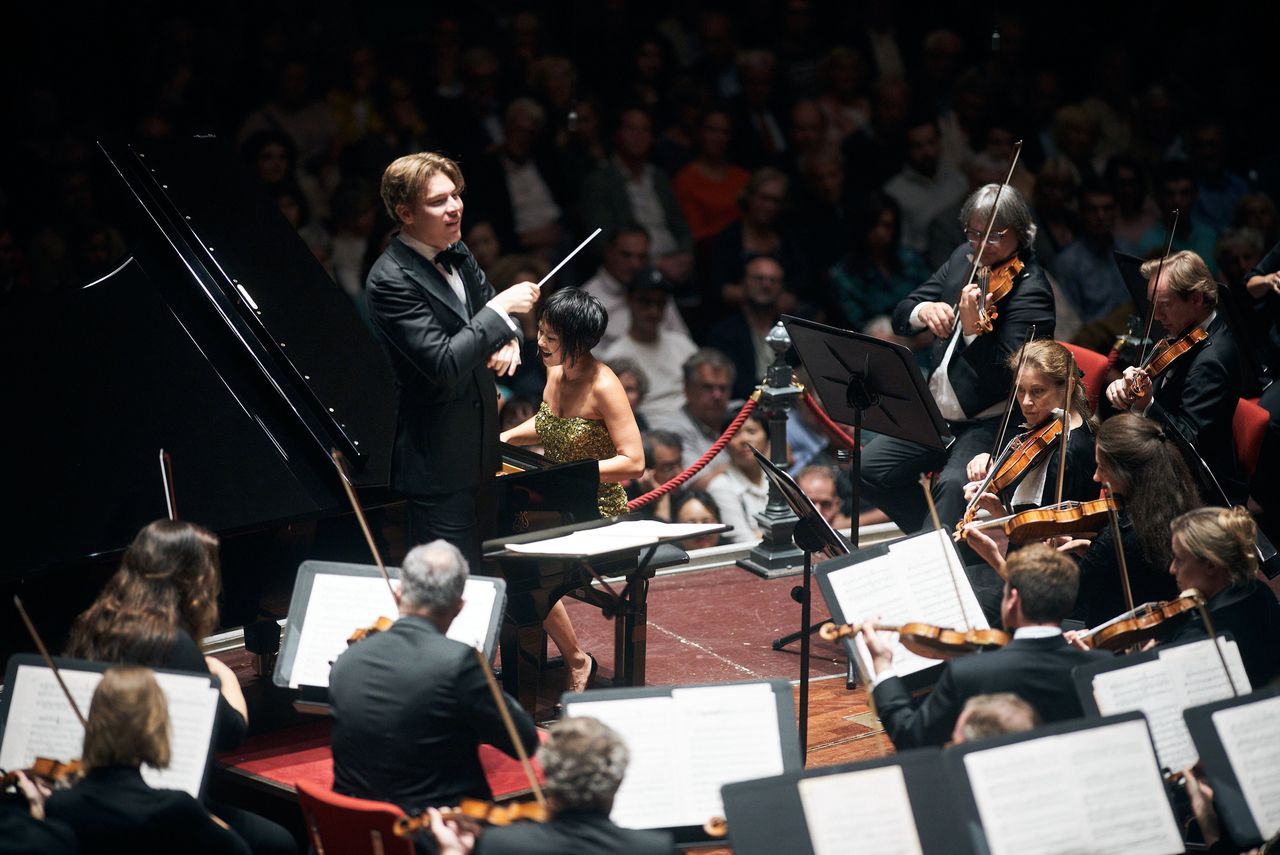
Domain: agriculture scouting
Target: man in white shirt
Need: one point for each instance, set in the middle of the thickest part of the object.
(925, 186)
(625, 255)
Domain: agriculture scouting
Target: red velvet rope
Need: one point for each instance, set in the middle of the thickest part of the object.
(834, 429)
(700, 463)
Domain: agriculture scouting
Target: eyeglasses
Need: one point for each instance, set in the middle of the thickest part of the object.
(975, 235)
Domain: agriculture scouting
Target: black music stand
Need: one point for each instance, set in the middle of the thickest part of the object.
(812, 534)
(866, 382)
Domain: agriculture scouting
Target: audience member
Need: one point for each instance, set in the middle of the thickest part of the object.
(708, 188)
(708, 377)
(879, 269)
(697, 506)
(1086, 271)
(820, 484)
(741, 336)
(626, 254)
(924, 186)
(740, 489)
(1176, 190)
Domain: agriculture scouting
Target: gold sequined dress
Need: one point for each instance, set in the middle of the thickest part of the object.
(568, 439)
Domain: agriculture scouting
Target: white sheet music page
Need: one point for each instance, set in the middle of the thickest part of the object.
(1093, 791)
(584, 543)
(655, 790)
(42, 724)
(870, 806)
(472, 623)
(193, 706)
(337, 607)
(1183, 676)
(913, 582)
(733, 736)
(1250, 735)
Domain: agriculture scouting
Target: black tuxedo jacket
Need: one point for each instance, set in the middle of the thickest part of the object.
(1197, 396)
(571, 831)
(409, 708)
(1038, 670)
(113, 811)
(1250, 613)
(978, 370)
(446, 426)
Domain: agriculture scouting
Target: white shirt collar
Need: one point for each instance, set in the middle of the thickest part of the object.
(1036, 632)
(426, 250)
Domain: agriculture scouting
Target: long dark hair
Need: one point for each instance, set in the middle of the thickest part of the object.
(168, 581)
(866, 216)
(1152, 479)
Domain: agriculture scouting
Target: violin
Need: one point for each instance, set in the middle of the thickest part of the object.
(1053, 520)
(1024, 453)
(927, 640)
(476, 810)
(382, 624)
(53, 773)
(996, 283)
(1162, 359)
(1140, 624)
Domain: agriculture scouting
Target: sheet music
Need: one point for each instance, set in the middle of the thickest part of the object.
(1184, 676)
(913, 582)
(590, 542)
(1096, 791)
(733, 736)
(337, 607)
(869, 806)
(339, 604)
(685, 746)
(656, 528)
(1251, 737)
(41, 723)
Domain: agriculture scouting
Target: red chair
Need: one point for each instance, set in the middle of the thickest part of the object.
(1249, 428)
(341, 825)
(1094, 366)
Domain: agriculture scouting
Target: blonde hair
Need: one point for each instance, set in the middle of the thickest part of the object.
(1223, 537)
(128, 721)
(406, 179)
(1186, 274)
(1056, 362)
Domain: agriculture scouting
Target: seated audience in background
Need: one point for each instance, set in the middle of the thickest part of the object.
(696, 506)
(1039, 591)
(740, 489)
(1175, 187)
(708, 378)
(879, 269)
(924, 186)
(410, 706)
(635, 382)
(112, 809)
(660, 350)
(1086, 271)
(741, 336)
(985, 716)
(584, 762)
(625, 255)
(820, 485)
(663, 457)
(708, 188)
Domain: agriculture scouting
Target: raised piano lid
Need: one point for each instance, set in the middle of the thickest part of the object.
(218, 337)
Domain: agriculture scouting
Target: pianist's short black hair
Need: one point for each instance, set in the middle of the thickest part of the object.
(577, 317)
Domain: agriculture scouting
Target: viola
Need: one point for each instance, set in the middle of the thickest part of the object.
(1025, 452)
(1140, 624)
(53, 773)
(927, 640)
(1053, 520)
(1162, 359)
(382, 624)
(476, 810)
(996, 283)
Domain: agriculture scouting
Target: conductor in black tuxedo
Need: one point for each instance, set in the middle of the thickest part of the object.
(1040, 590)
(584, 761)
(1197, 395)
(969, 374)
(447, 332)
(410, 706)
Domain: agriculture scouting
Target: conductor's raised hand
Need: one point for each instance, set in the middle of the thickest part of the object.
(519, 299)
(938, 318)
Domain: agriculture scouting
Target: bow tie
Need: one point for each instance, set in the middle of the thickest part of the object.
(450, 258)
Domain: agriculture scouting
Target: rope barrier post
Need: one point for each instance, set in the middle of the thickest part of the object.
(777, 554)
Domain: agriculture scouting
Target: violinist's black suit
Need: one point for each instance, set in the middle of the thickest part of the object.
(981, 379)
(445, 448)
(1038, 670)
(572, 831)
(409, 708)
(1197, 395)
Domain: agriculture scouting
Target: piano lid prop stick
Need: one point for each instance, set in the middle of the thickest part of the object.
(48, 660)
(511, 728)
(566, 259)
(340, 463)
(166, 474)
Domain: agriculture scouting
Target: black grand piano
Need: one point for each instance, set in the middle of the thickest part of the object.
(218, 337)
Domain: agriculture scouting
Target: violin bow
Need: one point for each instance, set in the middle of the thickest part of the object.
(340, 463)
(510, 725)
(166, 475)
(1119, 544)
(1065, 435)
(1151, 295)
(1203, 608)
(986, 237)
(951, 570)
(48, 660)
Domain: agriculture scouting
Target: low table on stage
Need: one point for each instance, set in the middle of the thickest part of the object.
(543, 566)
